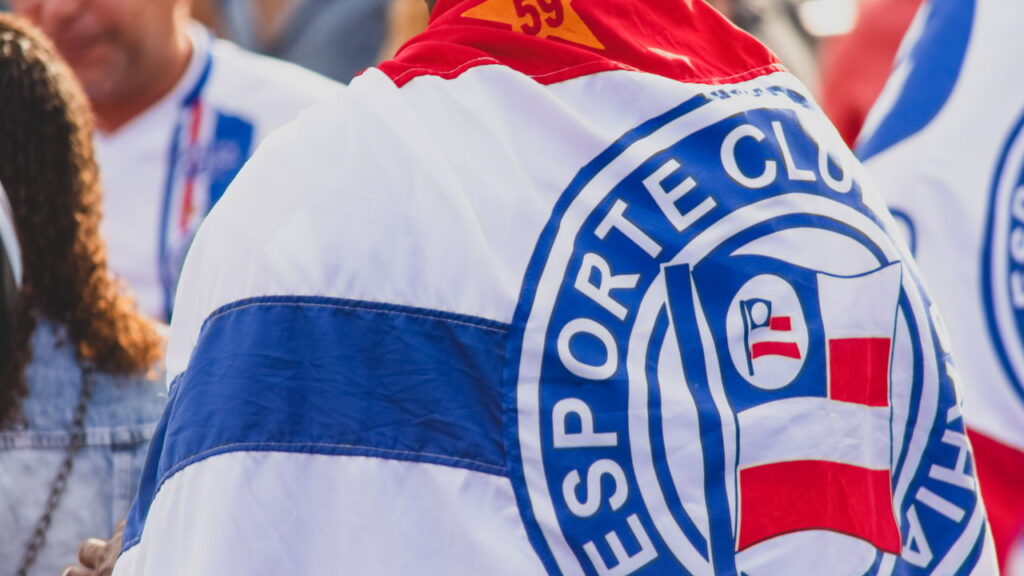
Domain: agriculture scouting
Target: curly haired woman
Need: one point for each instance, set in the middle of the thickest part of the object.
(83, 393)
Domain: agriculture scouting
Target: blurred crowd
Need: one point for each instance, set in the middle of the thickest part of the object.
(122, 124)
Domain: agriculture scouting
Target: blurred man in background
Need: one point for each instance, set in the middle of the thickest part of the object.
(178, 113)
(337, 39)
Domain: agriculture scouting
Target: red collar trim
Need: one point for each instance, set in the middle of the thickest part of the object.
(556, 40)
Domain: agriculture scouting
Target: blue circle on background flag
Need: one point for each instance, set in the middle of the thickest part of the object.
(1003, 260)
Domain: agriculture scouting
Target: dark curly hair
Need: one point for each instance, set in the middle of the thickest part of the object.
(48, 169)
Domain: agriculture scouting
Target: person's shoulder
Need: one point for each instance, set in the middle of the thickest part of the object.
(323, 195)
(348, 145)
(337, 134)
(238, 73)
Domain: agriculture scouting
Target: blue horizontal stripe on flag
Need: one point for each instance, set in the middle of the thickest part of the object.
(327, 376)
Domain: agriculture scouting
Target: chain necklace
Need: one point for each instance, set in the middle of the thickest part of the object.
(75, 444)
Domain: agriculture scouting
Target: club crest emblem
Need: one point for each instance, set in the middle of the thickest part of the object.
(724, 365)
(1003, 263)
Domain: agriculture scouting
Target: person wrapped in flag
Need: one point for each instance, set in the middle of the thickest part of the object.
(583, 287)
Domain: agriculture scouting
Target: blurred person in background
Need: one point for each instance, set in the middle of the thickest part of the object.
(406, 18)
(178, 113)
(586, 287)
(337, 39)
(206, 13)
(945, 142)
(84, 390)
(777, 24)
(855, 66)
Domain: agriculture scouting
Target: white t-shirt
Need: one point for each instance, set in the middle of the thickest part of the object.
(205, 128)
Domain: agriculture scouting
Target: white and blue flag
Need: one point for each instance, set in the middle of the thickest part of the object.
(945, 143)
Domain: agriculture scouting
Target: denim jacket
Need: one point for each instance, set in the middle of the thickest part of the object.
(122, 414)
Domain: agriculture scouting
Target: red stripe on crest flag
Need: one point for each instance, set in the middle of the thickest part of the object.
(781, 324)
(190, 176)
(859, 370)
(784, 349)
(777, 499)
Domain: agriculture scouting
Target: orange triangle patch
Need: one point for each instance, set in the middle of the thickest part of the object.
(541, 18)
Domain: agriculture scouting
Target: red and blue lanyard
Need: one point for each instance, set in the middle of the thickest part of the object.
(185, 144)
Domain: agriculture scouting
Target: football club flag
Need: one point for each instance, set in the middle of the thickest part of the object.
(628, 306)
(945, 143)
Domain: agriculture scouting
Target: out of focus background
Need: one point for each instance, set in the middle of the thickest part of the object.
(841, 49)
(821, 41)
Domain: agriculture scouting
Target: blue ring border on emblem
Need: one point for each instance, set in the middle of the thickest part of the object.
(536, 266)
(531, 280)
(659, 335)
(986, 262)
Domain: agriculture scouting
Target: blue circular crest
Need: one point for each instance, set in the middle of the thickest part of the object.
(1003, 261)
(721, 364)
